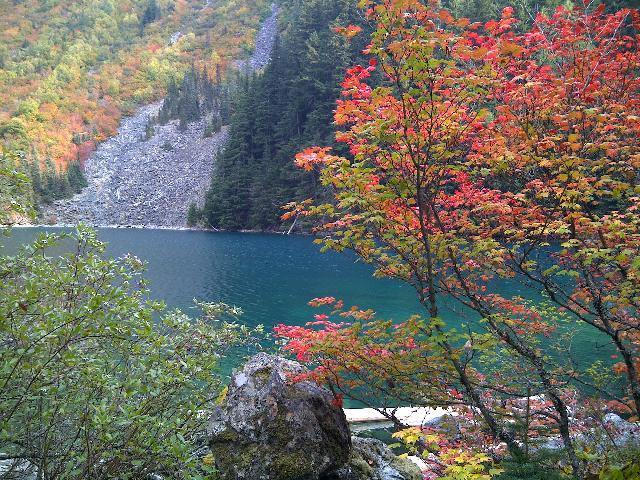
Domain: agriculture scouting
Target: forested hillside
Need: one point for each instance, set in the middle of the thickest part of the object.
(288, 106)
(70, 70)
(480, 162)
(291, 107)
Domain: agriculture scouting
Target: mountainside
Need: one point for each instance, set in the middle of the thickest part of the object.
(149, 173)
(133, 181)
(70, 70)
(288, 107)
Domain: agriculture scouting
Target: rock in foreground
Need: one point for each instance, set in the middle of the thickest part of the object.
(270, 428)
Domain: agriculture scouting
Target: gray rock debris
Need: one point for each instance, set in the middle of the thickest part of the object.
(18, 470)
(371, 459)
(133, 182)
(265, 39)
(143, 183)
(175, 37)
(270, 428)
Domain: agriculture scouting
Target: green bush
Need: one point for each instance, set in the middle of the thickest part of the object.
(96, 380)
(630, 471)
(15, 192)
(539, 467)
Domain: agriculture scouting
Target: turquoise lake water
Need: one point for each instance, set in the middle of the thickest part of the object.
(271, 277)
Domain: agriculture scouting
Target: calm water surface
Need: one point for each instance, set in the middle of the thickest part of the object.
(271, 277)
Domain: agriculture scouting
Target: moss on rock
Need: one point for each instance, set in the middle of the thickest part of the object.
(291, 466)
(269, 428)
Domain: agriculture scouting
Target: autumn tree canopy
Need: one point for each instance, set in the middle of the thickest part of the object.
(489, 152)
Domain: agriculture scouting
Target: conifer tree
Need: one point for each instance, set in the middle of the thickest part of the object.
(36, 180)
(288, 107)
(151, 13)
(193, 215)
(76, 178)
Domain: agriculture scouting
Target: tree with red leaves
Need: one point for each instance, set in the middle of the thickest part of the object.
(486, 155)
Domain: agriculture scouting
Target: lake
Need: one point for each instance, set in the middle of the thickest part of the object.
(271, 277)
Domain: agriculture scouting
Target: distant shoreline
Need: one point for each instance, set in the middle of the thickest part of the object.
(155, 227)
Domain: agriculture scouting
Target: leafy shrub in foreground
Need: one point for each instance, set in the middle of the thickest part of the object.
(91, 384)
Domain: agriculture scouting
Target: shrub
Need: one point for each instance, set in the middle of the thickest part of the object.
(96, 380)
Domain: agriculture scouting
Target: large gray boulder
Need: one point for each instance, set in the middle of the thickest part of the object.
(271, 428)
(371, 459)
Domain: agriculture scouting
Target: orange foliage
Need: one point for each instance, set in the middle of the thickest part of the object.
(64, 91)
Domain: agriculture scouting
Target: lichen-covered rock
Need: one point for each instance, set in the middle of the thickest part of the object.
(371, 459)
(16, 469)
(270, 428)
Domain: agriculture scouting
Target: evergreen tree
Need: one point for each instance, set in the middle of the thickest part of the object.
(49, 184)
(196, 96)
(149, 130)
(193, 215)
(53, 185)
(188, 108)
(288, 107)
(76, 178)
(36, 180)
(214, 126)
(62, 187)
(209, 93)
(151, 13)
(224, 104)
(168, 111)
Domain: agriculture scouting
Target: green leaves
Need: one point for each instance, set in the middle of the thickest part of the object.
(15, 192)
(91, 386)
(630, 471)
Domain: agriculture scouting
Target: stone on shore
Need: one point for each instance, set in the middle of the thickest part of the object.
(271, 428)
(371, 459)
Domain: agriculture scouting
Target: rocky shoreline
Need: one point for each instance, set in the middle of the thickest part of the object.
(133, 181)
(162, 227)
